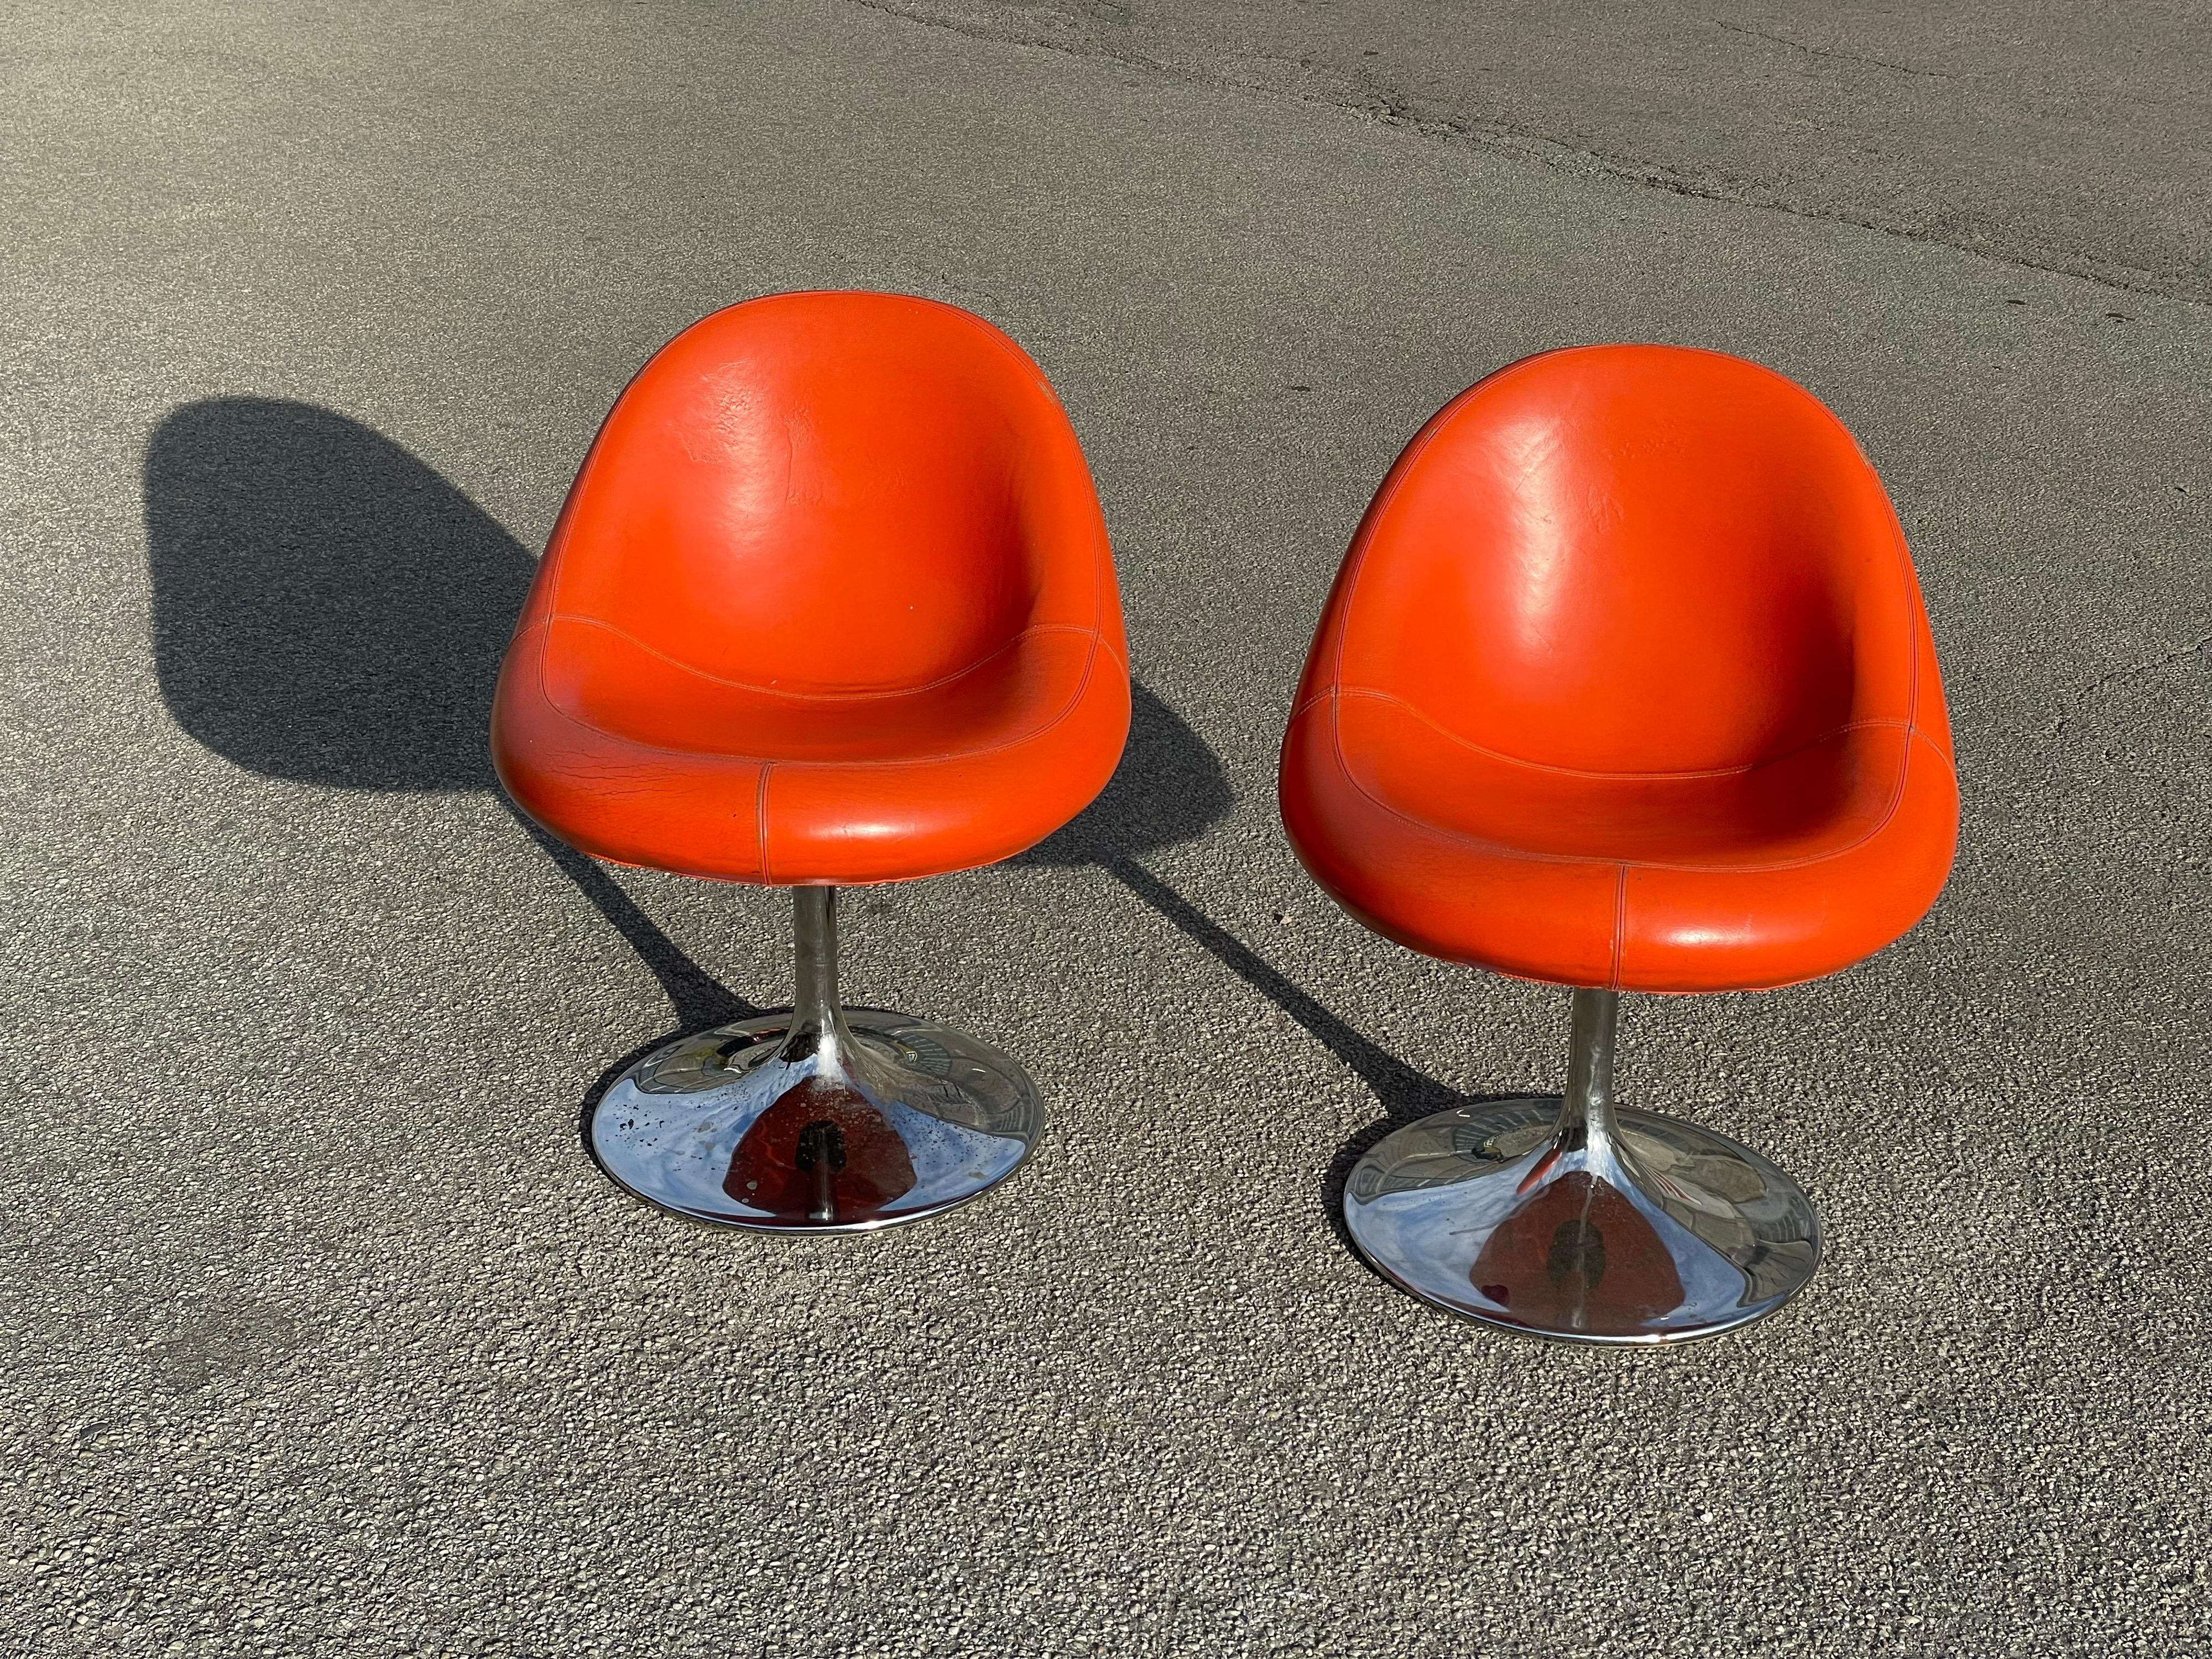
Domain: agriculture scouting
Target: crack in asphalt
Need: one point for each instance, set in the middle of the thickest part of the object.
(1830, 52)
(1389, 107)
(2097, 688)
(998, 34)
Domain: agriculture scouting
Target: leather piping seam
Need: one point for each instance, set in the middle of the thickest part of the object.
(1620, 921)
(1101, 573)
(760, 795)
(1336, 749)
(983, 661)
(1066, 712)
(1937, 749)
(627, 742)
(1897, 802)
(787, 762)
(1498, 850)
(1876, 724)
(760, 820)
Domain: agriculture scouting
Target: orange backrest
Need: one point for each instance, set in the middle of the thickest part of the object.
(1632, 559)
(824, 493)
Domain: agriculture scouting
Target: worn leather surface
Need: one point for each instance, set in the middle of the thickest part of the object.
(831, 600)
(1626, 681)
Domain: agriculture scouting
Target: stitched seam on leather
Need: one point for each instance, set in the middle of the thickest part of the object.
(624, 739)
(623, 633)
(556, 544)
(1008, 346)
(760, 819)
(788, 761)
(1936, 750)
(1896, 800)
(1620, 920)
(1437, 831)
(1373, 695)
(1090, 665)
(1101, 567)
(1101, 573)
(1590, 860)
(1403, 468)
(1916, 620)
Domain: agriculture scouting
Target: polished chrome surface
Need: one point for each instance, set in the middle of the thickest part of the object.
(1580, 1220)
(826, 1119)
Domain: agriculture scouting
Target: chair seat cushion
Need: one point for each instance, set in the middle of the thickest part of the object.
(1761, 877)
(639, 761)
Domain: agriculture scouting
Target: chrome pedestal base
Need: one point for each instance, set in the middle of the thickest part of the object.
(826, 1119)
(728, 1126)
(1579, 1221)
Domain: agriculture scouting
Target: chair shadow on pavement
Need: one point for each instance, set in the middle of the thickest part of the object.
(328, 609)
(1169, 788)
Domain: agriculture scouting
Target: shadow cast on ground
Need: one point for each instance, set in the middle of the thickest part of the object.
(1170, 787)
(330, 611)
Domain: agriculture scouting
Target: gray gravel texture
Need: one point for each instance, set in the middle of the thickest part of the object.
(322, 1335)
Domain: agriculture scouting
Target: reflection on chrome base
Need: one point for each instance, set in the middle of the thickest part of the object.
(824, 1119)
(1579, 1220)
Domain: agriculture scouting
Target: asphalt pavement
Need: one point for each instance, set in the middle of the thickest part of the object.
(319, 1334)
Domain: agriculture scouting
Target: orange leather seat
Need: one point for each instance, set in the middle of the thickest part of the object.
(1626, 683)
(831, 601)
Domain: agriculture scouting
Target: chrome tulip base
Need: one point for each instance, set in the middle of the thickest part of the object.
(1582, 1221)
(826, 1119)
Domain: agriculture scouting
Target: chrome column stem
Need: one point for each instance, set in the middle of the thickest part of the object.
(1587, 1115)
(817, 1022)
(814, 935)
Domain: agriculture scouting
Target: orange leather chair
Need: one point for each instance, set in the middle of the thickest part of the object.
(830, 603)
(1625, 684)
